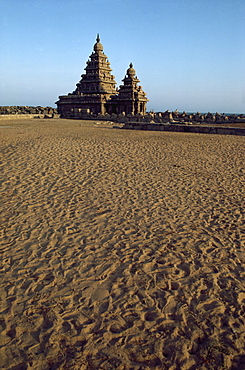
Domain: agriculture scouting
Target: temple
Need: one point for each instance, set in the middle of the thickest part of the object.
(96, 92)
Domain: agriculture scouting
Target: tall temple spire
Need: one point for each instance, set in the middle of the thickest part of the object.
(98, 37)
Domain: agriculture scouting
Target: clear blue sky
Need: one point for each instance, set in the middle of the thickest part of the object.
(188, 54)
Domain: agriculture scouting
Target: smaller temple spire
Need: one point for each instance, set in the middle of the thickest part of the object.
(98, 37)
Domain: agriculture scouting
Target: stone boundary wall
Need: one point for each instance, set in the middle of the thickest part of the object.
(166, 117)
(25, 110)
(26, 116)
(186, 128)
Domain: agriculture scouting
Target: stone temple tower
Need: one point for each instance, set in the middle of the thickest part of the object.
(131, 98)
(93, 90)
(96, 92)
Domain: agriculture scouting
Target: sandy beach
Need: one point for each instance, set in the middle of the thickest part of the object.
(120, 249)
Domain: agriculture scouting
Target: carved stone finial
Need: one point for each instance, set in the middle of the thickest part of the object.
(131, 71)
(98, 47)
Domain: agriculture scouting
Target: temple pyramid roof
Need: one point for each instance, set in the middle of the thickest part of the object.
(130, 88)
(98, 78)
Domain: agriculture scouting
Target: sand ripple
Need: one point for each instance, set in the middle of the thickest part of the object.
(121, 249)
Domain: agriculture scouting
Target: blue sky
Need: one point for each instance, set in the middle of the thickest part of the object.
(188, 54)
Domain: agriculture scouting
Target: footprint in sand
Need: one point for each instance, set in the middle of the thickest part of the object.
(100, 292)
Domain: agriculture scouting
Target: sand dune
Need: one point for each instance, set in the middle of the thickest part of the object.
(120, 249)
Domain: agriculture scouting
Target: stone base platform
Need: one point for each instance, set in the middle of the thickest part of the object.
(185, 128)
